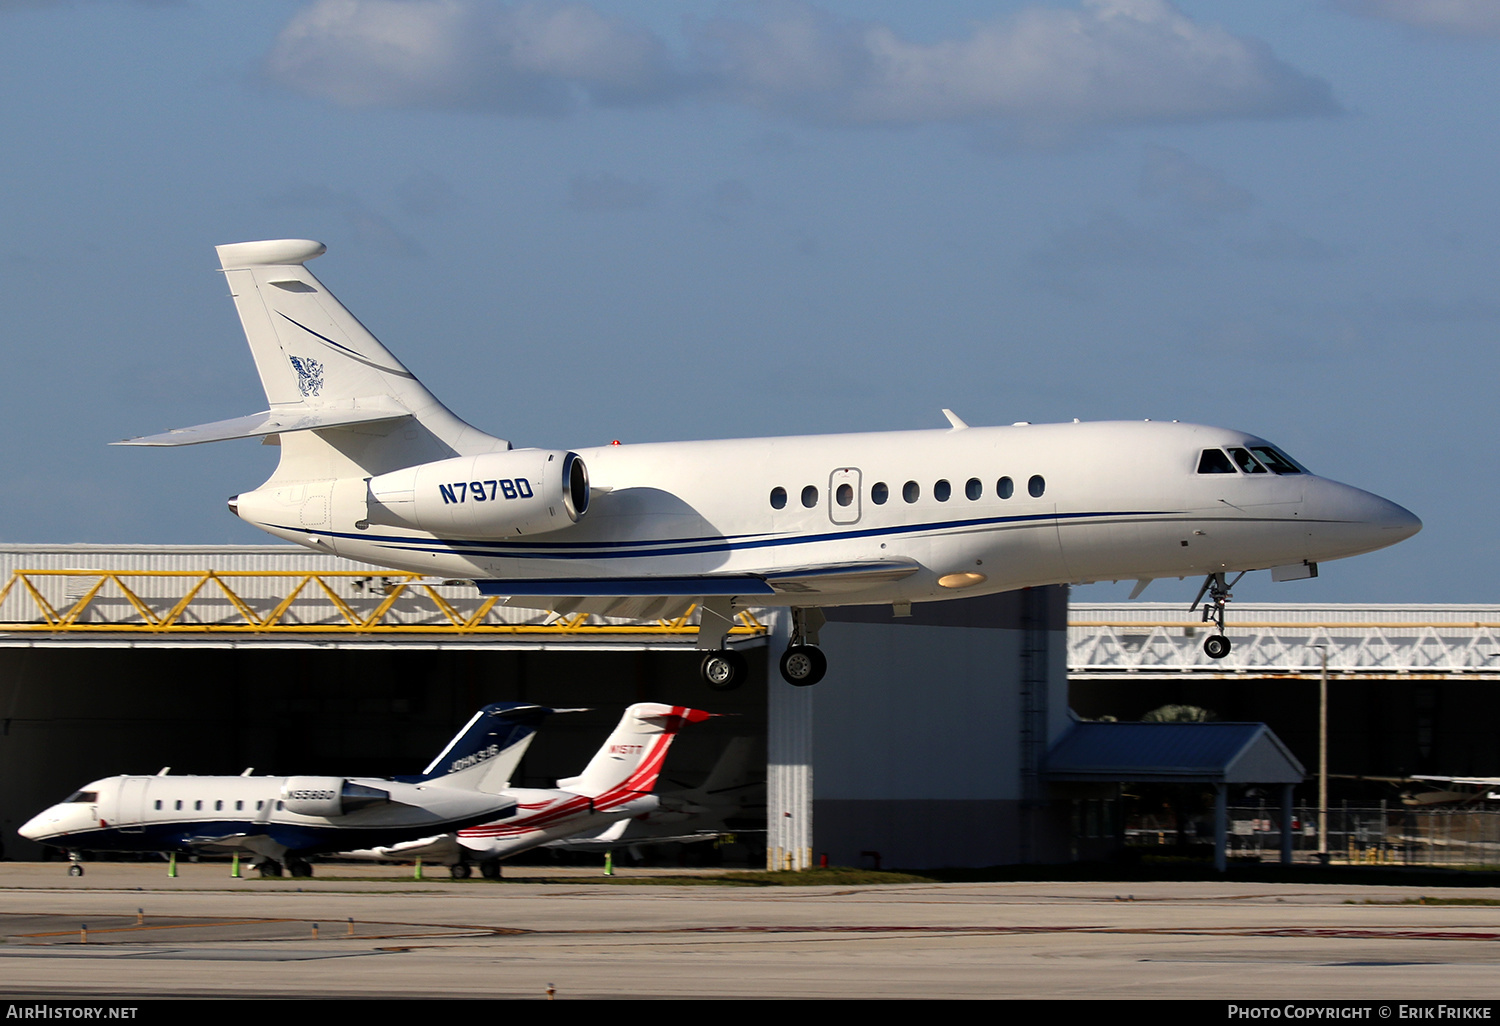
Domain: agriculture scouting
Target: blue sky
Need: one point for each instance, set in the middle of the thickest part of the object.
(647, 221)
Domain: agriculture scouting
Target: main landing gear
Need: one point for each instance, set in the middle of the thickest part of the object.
(723, 669)
(76, 864)
(803, 663)
(1217, 646)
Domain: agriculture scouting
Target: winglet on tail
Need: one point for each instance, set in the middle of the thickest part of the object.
(632, 756)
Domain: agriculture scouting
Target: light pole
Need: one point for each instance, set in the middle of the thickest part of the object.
(1323, 755)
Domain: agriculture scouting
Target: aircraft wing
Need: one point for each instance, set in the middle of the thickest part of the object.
(1471, 781)
(442, 846)
(831, 579)
(278, 421)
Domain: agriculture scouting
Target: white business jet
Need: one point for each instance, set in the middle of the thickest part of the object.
(614, 787)
(279, 820)
(374, 468)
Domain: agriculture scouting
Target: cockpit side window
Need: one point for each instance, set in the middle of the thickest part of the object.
(1245, 461)
(83, 797)
(1275, 460)
(1214, 461)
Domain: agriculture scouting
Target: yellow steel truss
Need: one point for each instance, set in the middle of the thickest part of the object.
(174, 618)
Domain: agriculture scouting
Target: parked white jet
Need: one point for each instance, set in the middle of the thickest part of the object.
(281, 819)
(374, 468)
(616, 785)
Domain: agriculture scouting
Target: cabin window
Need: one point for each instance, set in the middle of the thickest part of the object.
(179, 805)
(879, 493)
(1246, 462)
(219, 806)
(810, 496)
(239, 806)
(778, 497)
(1005, 488)
(1276, 461)
(941, 491)
(198, 806)
(973, 489)
(1214, 461)
(911, 491)
(845, 495)
(1036, 486)
(259, 804)
(280, 805)
(158, 805)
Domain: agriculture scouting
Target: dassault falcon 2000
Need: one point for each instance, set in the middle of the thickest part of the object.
(374, 468)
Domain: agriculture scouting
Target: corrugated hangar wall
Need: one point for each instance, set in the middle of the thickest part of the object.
(931, 729)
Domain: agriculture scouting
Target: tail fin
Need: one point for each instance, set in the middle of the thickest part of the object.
(485, 753)
(632, 756)
(324, 373)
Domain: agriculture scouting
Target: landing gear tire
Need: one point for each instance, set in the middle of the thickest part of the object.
(803, 665)
(269, 868)
(490, 869)
(1217, 646)
(298, 868)
(723, 670)
(75, 870)
(460, 870)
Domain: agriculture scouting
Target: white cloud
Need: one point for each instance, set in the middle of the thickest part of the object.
(1107, 62)
(1110, 61)
(532, 58)
(1457, 17)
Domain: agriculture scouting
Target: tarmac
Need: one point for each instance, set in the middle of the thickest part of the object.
(125, 930)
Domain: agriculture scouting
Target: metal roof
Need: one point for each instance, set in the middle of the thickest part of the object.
(1232, 753)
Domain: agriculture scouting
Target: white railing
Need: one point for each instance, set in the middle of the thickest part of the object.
(1423, 641)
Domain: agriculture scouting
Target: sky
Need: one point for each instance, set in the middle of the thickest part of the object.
(582, 221)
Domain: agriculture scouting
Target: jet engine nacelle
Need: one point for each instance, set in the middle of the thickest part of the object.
(493, 495)
(329, 797)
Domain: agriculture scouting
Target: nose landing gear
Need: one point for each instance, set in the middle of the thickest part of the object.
(1217, 646)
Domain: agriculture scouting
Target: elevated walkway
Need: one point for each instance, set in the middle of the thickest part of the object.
(281, 596)
(1130, 640)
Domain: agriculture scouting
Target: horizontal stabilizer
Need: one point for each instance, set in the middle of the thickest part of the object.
(278, 422)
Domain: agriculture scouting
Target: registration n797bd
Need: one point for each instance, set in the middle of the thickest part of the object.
(374, 468)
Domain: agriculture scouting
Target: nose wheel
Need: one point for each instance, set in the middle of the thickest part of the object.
(1216, 646)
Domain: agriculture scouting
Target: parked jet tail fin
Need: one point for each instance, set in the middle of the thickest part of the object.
(632, 756)
(485, 753)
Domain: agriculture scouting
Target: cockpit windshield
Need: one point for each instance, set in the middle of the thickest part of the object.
(1275, 460)
(83, 798)
(1254, 459)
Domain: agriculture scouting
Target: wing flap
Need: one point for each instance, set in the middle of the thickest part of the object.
(833, 579)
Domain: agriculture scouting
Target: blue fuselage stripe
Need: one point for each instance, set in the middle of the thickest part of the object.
(710, 544)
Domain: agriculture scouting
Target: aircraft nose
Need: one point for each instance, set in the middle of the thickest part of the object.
(1351, 521)
(39, 826)
(1398, 522)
